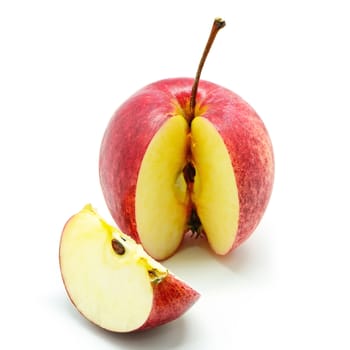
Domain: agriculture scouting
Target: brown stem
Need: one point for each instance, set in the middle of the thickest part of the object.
(217, 25)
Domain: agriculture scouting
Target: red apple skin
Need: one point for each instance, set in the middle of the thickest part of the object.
(172, 298)
(134, 124)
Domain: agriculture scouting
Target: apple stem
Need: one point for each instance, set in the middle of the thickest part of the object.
(217, 25)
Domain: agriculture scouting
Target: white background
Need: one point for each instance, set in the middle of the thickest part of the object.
(65, 67)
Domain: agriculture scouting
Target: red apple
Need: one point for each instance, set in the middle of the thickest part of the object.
(186, 155)
(113, 282)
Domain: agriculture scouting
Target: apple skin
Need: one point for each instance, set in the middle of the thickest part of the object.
(137, 120)
(172, 298)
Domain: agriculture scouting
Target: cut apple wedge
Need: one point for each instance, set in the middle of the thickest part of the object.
(113, 282)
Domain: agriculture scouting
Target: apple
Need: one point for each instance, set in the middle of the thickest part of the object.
(113, 282)
(186, 155)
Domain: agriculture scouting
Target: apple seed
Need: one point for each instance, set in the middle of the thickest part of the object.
(118, 247)
(194, 224)
(189, 172)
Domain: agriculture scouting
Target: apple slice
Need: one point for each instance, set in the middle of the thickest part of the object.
(113, 282)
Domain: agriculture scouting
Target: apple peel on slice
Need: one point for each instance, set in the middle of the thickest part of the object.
(113, 282)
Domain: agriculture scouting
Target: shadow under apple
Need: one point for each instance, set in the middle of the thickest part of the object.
(198, 265)
(168, 336)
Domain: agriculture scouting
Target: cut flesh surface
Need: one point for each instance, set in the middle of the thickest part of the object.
(111, 290)
(161, 193)
(215, 192)
(163, 201)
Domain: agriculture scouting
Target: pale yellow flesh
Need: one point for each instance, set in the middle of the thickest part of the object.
(113, 291)
(162, 197)
(215, 191)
